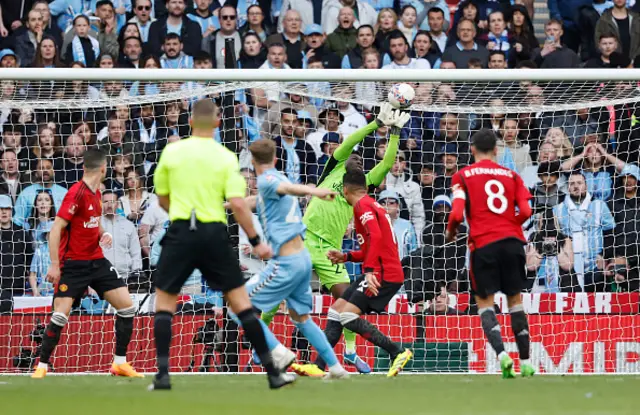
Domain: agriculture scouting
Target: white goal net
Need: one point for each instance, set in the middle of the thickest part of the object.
(574, 137)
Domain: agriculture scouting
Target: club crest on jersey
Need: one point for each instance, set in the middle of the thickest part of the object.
(366, 217)
(72, 209)
(63, 288)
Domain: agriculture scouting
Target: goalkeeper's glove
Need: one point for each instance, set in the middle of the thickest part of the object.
(396, 119)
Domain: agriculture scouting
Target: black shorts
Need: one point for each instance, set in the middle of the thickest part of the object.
(499, 266)
(207, 248)
(77, 276)
(355, 295)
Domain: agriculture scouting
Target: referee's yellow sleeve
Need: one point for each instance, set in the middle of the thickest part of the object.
(235, 185)
(161, 176)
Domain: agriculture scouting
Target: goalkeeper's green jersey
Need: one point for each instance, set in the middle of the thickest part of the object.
(329, 220)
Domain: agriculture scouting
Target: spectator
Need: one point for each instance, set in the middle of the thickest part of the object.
(546, 153)
(399, 180)
(9, 59)
(625, 208)
(291, 38)
(295, 158)
(105, 61)
(43, 213)
(591, 164)
(564, 12)
(364, 43)
(497, 60)
(148, 134)
(66, 11)
(512, 154)
(448, 137)
(428, 190)
(498, 38)
(13, 138)
(405, 234)
(399, 49)
(271, 126)
(436, 22)
(83, 48)
(253, 53)
(329, 121)
(333, 15)
(40, 264)
(585, 221)
(343, 38)
(47, 54)
(330, 142)
(215, 42)
(256, 23)
(27, 38)
(146, 87)
(586, 20)
(624, 24)
(202, 15)
(174, 121)
(607, 45)
(120, 164)
(176, 22)
(576, 124)
(554, 54)
(408, 24)
(136, 198)
(353, 120)
(547, 193)
(108, 27)
(253, 263)
(143, 18)
(386, 23)
(425, 48)
(466, 48)
(311, 11)
(50, 28)
(526, 44)
(124, 252)
(11, 181)
(549, 257)
(131, 53)
(152, 227)
(317, 48)
(622, 274)
(70, 168)
(43, 180)
(174, 56)
(85, 132)
(17, 251)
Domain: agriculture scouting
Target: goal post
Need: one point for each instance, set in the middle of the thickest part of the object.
(582, 259)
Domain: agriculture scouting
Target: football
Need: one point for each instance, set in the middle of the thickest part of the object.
(401, 96)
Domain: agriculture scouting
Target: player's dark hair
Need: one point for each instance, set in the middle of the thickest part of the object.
(263, 151)
(94, 158)
(484, 141)
(354, 180)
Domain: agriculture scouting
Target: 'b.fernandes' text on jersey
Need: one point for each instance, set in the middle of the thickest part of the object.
(378, 247)
(489, 194)
(82, 208)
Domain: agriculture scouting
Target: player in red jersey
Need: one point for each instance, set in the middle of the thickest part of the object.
(383, 274)
(489, 194)
(77, 263)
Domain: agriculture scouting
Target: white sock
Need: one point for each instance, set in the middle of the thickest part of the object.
(524, 362)
(119, 360)
(43, 366)
(337, 368)
(501, 355)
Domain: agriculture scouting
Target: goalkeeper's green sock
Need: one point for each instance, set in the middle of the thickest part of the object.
(267, 316)
(349, 341)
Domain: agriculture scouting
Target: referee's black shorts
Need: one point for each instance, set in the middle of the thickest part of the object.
(207, 248)
(499, 266)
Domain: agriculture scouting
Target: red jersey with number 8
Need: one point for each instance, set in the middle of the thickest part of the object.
(82, 208)
(489, 195)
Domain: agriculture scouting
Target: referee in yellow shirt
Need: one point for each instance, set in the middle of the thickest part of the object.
(193, 179)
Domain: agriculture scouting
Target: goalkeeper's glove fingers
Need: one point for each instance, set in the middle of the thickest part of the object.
(401, 118)
(386, 115)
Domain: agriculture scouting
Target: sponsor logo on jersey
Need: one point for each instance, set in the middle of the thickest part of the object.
(94, 222)
(366, 217)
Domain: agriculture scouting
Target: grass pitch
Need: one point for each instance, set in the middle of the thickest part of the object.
(360, 395)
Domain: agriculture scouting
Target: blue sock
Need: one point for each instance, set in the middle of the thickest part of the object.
(318, 340)
(272, 342)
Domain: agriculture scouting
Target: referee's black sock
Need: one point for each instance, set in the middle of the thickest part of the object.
(370, 333)
(491, 329)
(520, 327)
(253, 331)
(162, 331)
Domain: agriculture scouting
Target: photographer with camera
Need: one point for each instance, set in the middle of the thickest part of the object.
(622, 275)
(550, 257)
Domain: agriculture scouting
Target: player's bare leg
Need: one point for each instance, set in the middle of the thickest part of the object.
(59, 319)
(350, 355)
(238, 300)
(125, 312)
(491, 329)
(520, 327)
(319, 341)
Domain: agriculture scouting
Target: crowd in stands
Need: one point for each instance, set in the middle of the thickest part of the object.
(581, 165)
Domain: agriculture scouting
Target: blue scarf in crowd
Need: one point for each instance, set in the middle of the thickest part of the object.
(78, 51)
(502, 42)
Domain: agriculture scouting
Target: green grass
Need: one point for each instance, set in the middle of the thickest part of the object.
(366, 395)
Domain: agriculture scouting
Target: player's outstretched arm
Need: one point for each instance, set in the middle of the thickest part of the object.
(304, 190)
(396, 120)
(53, 273)
(243, 216)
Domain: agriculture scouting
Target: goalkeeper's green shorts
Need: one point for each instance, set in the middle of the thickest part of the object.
(328, 274)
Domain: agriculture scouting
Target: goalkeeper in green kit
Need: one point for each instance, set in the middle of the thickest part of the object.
(327, 222)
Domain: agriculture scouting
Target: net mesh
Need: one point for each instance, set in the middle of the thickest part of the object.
(582, 259)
